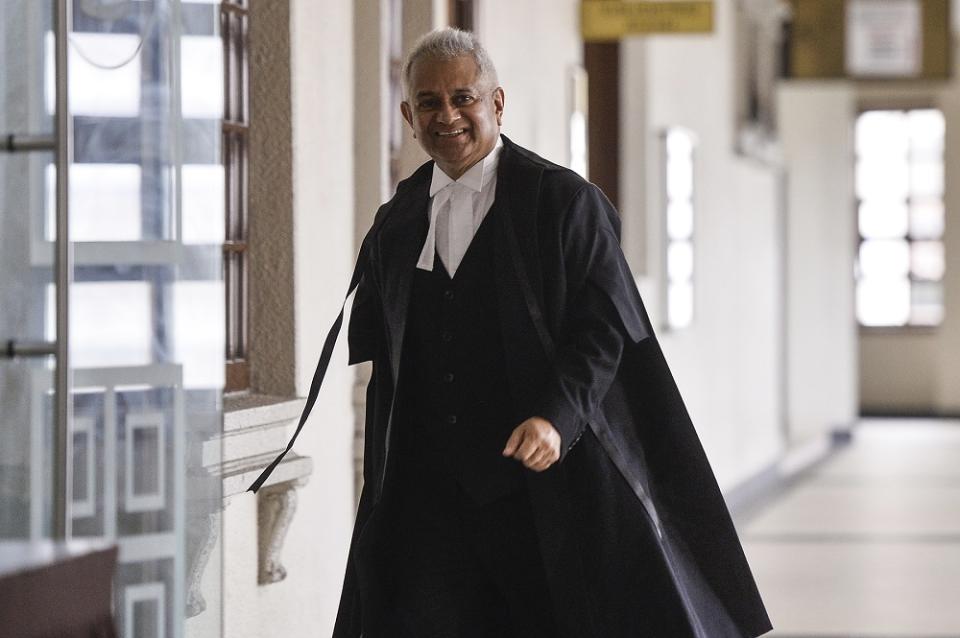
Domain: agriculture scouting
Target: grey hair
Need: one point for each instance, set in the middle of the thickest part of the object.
(448, 43)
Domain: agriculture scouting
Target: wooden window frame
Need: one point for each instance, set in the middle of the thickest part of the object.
(602, 63)
(463, 14)
(235, 150)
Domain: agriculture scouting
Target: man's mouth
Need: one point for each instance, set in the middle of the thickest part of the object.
(452, 133)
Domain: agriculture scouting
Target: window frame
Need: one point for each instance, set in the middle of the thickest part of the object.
(235, 152)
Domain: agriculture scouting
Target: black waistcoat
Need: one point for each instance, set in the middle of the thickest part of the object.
(457, 409)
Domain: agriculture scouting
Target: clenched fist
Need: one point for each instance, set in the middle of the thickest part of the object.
(535, 443)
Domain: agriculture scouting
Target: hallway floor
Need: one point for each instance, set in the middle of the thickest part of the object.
(866, 544)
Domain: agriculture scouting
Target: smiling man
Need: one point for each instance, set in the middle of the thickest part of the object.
(530, 470)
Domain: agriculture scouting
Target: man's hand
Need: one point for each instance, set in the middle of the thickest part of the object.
(535, 443)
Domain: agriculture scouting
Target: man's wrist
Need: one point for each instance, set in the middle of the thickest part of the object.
(564, 422)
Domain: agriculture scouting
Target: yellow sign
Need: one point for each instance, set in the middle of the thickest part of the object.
(602, 20)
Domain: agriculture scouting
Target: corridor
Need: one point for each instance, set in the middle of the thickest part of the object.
(868, 542)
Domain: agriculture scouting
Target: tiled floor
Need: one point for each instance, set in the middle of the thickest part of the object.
(868, 543)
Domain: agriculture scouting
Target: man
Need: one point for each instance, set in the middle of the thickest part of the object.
(530, 469)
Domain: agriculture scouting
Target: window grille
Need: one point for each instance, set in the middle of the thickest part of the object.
(234, 29)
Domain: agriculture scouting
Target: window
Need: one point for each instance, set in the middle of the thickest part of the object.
(678, 227)
(900, 215)
(234, 29)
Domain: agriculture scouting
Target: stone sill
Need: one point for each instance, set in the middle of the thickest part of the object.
(243, 408)
(256, 428)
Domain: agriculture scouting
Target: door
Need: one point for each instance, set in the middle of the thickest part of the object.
(119, 278)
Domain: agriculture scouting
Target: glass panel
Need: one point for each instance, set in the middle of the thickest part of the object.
(198, 339)
(578, 141)
(679, 179)
(679, 165)
(108, 61)
(203, 203)
(882, 135)
(926, 178)
(883, 220)
(111, 324)
(926, 260)
(105, 202)
(926, 219)
(927, 129)
(884, 258)
(680, 261)
(26, 418)
(927, 298)
(882, 179)
(677, 288)
(202, 68)
(679, 144)
(883, 301)
(146, 331)
(680, 220)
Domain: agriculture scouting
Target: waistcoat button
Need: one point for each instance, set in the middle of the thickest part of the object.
(452, 419)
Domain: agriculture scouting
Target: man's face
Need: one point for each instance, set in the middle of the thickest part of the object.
(454, 116)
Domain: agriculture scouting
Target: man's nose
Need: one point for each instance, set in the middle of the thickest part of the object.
(448, 113)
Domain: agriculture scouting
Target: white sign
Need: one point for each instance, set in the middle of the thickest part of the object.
(884, 38)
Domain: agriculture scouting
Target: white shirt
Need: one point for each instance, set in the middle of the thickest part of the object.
(459, 206)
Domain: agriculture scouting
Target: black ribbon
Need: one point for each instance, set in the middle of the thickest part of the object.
(318, 375)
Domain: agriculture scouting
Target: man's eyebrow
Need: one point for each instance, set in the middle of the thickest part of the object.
(469, 90)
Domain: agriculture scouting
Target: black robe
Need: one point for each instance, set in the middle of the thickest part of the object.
(633, 484)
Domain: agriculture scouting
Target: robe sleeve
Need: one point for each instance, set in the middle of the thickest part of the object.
(365, 331)
(362, 333)
(602, 315)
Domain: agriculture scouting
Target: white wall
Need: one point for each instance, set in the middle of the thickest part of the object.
(533, 45)
(899, 372)
(816, 120)
(948, 387)
(727, 362)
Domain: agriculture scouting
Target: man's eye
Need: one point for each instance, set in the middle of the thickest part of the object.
(428, 105)
(464, 100)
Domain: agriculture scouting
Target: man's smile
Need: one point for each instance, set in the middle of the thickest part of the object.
(452, 133)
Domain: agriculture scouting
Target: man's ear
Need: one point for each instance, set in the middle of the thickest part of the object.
(498, 100)
(408, 116)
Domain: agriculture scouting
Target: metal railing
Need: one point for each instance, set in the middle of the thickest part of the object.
(60, 143)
